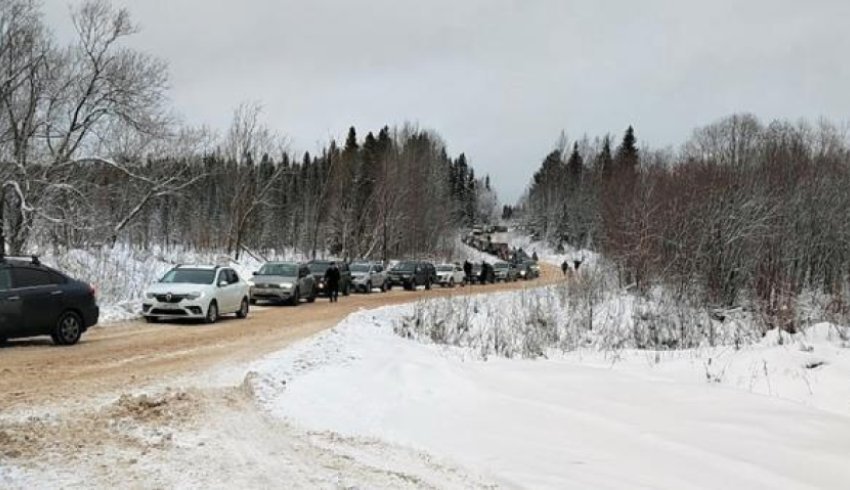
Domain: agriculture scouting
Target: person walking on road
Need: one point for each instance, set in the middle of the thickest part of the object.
(332, 276)
(467, 271)
(564, 267)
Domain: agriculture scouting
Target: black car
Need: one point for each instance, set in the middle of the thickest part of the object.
(318, 269)
(413, 273)
(37, 300)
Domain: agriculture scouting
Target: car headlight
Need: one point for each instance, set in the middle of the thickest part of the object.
(150, 295)
(285, 285)
(195, 295)
(522, 273)
(251, 283)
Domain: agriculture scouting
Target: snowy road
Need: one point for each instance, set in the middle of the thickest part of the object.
(36, 376)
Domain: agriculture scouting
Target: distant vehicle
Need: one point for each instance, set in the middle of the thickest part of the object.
(528, 270)
(450, 275)
(483, 274)
(500, 229)
(203, 292)
(410, 274)
(38, 300)
(318, 269)
(505, 272)
(366, 276)
(283, 281)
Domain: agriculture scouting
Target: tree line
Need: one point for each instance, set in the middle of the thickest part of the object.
(745, 214)
(91, 153)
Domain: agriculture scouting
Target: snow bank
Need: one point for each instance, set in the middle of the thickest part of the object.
(120, 274)
(584, 419)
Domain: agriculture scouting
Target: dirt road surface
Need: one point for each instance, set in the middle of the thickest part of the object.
(115, 359)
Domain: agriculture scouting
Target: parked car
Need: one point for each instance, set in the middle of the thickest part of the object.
(318, 269)
(528, 270)
(482, 273)
(366, 276)
(505, 272)
(413, 273)
(450, 275)
(283, 281)
(38, 300)
(202, 292)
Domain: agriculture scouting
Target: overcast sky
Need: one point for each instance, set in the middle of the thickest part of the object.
(498, 79)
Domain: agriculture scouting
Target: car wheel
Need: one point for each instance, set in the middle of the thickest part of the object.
(296, 298)
(212, 312)
(243, 309)
(368, 288)
(68, 329)
(452, 283)
(384, 287)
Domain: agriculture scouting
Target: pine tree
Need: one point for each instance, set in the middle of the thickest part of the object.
(575, 165)
(627, 152)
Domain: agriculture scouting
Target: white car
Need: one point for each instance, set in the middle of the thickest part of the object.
(450, 275)
(202, 292)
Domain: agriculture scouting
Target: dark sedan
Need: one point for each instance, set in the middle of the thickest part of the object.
(37, 300)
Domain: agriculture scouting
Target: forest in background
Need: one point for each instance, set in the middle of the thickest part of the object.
(745, 214)
(91, 153)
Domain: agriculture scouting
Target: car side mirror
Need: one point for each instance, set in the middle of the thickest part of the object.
(255, 273)
(223, 284)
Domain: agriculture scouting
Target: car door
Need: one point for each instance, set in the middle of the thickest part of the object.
(11, 312)
(41, 299)
(234, 292)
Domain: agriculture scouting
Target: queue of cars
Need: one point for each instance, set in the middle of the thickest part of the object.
(38, 300)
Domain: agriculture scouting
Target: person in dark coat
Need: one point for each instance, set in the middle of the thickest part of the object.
(534, 256)
(467, 271)
(564, 267)
(332, 277)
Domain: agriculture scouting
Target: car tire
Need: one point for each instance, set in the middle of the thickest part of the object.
(212, 313)
(452, 283)
(243, 309)
(253, 302)
(369, 287)
(296, 298)
(428, 285)
(384, 287)
(68, 329)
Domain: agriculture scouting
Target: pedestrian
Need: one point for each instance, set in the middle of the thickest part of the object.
(564, 267)
(467, 271)
(332, 276)
(577, 263)
(534, 256)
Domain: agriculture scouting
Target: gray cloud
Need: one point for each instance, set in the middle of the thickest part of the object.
(498, 79)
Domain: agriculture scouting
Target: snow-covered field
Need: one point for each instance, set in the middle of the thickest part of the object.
(775, 414)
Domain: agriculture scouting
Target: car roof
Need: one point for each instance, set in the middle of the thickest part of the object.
(282, 262)
(199, 267)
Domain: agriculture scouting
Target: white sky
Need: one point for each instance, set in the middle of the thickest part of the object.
(498, 79)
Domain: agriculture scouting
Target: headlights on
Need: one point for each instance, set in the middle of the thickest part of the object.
(285, 285)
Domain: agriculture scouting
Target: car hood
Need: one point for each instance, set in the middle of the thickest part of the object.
(359, 274)
(258, 279)
(177, 288)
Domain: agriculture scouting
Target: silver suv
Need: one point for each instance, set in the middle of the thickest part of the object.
(283, 281)
(366, 276)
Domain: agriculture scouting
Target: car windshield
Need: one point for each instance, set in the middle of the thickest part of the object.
(189, 276)
(445, 268)
(360, 267)
(405, 267)
(501, 266)
(319, 267)
(288, 270)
